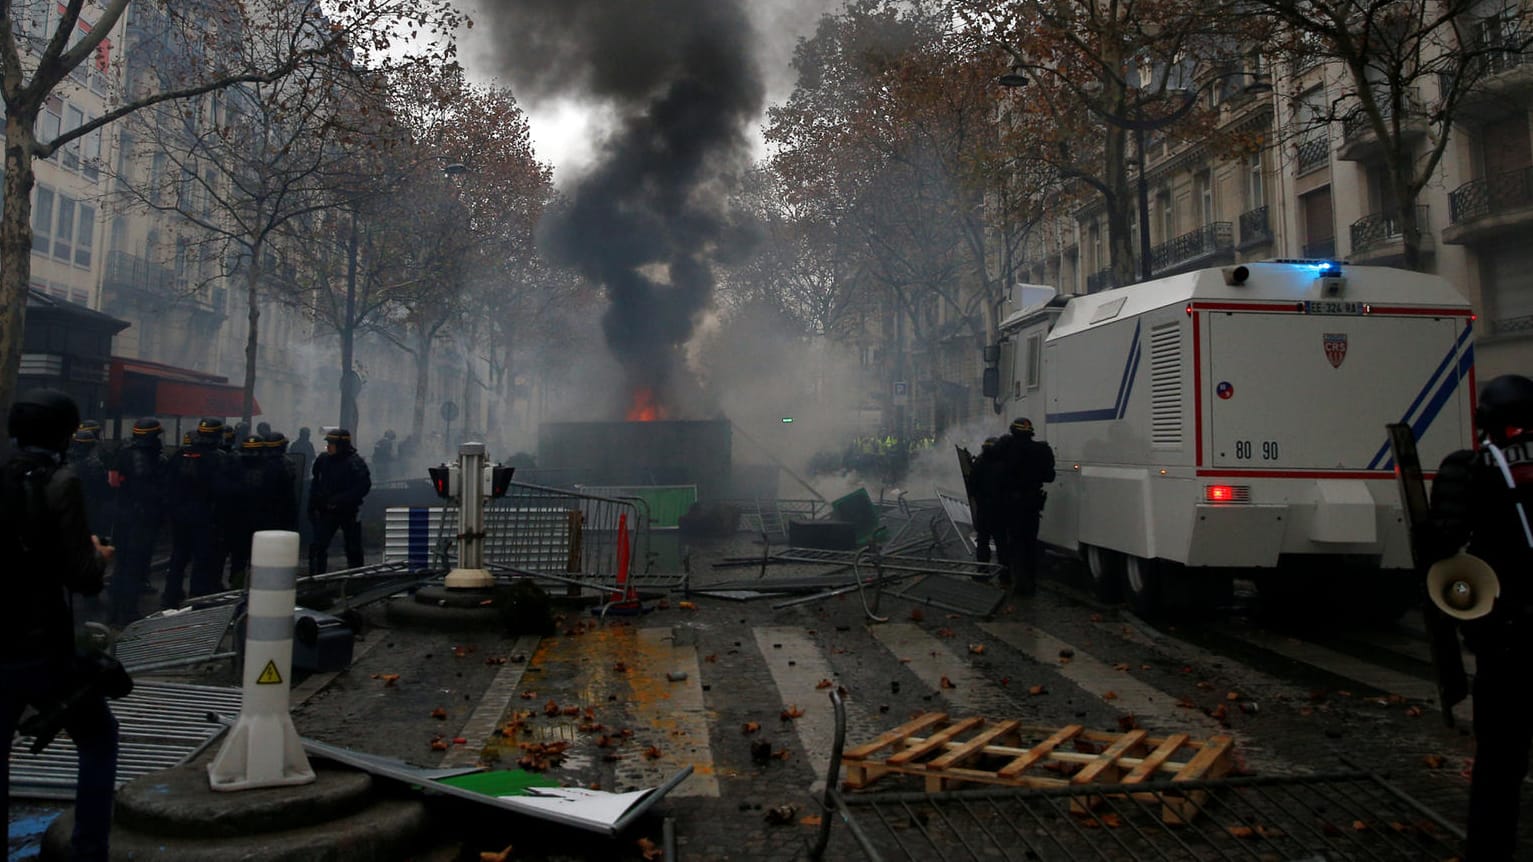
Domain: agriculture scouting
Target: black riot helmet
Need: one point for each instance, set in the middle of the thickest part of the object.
(146, 432)
(1505, 410)
(46, 418)
(1022, 427)
(340, 438)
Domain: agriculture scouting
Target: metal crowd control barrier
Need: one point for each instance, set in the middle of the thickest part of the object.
(563, 534)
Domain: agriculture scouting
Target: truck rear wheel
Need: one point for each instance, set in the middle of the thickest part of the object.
(1106, 571)
(1142, 584)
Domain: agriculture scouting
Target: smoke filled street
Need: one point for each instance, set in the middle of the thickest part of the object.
(767, 429)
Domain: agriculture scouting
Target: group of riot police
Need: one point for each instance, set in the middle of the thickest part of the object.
(214, 490)
(1006, 484)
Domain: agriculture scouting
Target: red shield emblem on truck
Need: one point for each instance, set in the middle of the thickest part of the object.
(1335, 348)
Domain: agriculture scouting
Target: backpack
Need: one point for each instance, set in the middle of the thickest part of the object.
(21, 497)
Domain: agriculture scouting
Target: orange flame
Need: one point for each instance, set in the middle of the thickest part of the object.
(645, 407)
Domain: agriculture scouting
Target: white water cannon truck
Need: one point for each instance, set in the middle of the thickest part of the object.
(1231, 423)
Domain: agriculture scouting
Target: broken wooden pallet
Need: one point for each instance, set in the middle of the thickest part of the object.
(947, 752)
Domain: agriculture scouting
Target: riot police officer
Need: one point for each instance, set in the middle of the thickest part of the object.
(93, 480)
(383, 456)
(987, 477)
(282, 481)
(1484, 498)
(249, 502)
(197, 476)
(1029, 465)
(340, 482)
(140, 508)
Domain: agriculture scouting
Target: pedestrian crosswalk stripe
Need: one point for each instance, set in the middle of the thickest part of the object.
(675, 706)
(668, 716)
(933, 659)
(1151, 707)
(798, 665)
(1350, 667)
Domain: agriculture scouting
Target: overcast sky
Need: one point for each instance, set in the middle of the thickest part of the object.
(564, 130)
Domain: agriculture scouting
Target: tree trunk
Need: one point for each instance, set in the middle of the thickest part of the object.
(349, 336)
(422, 388)
(15, 248)
(253, 315)
(1120, 241)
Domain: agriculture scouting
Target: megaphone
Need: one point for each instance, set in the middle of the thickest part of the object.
(1463, 586)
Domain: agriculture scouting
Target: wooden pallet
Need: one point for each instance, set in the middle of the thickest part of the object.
(946, 753)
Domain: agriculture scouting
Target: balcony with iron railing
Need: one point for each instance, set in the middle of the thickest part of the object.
(1358, 140)
(128, 278)
(1209, 245)
(1254, 228)
(1490, 207)
(1378, 238)
(1099, 280)
(1312, 154)
(1323, 248)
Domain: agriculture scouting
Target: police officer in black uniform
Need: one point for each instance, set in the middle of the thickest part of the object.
(198, 475)
(140, 509)
(340, 482)
(86, 461)
(1486, 502)
(383, 456)
(249, 503)
(1029, 465)
(987, 477)
(50, 553)
(282, 482)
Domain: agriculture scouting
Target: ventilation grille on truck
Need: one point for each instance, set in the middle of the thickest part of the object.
(1166, 385)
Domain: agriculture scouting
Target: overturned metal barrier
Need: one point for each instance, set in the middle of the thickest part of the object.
(161, 725)
(1344, 815)
(175, 639)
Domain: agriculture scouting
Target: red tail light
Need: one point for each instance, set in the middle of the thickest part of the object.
(1227, 493)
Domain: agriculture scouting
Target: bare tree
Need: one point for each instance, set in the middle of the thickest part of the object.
(1404, 72)
(242, 168)
(254, 43)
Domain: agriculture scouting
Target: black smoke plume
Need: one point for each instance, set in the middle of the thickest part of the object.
(650, 219)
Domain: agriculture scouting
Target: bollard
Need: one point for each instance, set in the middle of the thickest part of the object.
(263, 749)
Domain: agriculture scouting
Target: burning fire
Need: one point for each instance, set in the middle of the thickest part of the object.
(645, 407)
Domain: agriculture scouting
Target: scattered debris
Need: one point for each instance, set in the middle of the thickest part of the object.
(781, 815)
(502, 856)
(676, 675)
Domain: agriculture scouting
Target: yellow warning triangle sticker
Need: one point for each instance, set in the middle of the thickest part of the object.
(269, 675)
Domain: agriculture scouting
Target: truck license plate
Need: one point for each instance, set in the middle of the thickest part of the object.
(1332, 306)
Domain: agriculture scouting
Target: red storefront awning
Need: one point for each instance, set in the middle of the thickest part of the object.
(138, 387)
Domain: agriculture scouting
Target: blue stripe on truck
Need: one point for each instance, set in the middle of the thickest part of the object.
(1440, 393)
(1125, 390)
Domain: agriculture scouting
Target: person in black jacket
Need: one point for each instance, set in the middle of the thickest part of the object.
(87, 463)
(140, 482)
(50, 553)
(1029, 465)
(341, 481)
(987, 477)
(198, 478)
(1484, 498)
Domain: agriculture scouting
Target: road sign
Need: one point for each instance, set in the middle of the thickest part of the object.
(901, 392)
(449, 411)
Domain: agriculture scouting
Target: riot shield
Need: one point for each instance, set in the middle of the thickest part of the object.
(1442, 631)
